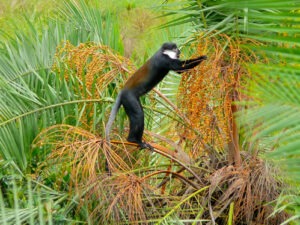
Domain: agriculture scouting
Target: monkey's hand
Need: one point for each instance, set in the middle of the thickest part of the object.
(203, 57)
(144, 145)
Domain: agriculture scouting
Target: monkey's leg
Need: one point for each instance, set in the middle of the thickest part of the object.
(134, 110)
(135, 113)
(144, 144)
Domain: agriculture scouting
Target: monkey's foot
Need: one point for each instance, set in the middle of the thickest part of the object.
(141, 144)
(144, 145)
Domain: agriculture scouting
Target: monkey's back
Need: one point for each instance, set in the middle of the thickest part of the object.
(147, 76)
(139, 77)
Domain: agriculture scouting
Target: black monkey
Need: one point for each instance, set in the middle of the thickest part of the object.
(143, 81)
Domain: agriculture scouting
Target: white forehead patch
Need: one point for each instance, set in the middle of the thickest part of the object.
(170, 53)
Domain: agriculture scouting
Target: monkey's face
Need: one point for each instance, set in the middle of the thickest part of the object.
(171, 50)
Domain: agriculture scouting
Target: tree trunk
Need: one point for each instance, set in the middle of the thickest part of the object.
(234, 156)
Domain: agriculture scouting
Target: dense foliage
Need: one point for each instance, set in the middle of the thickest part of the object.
(225, 133)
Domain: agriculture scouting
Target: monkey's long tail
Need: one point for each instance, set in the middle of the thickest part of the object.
(112, 117)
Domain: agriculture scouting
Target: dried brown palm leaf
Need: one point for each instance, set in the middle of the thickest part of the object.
(250, 187)
(82, 150)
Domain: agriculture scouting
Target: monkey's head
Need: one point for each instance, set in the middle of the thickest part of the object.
(170, 49)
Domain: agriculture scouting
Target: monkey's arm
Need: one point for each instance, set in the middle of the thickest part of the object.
(181, 66)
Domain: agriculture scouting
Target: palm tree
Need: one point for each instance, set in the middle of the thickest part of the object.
(269, 30)
(58, 82)
(36, 93)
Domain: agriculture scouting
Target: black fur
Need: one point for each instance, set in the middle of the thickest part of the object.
(141, 82)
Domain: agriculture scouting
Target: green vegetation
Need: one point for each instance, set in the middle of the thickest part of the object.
(226, 133)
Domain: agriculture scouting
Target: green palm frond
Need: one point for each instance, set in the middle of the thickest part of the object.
(232, 17)
(34, 203)
(275, 87)
(272, 118)
(92, 24)
(32, 96)
(276, 117)
(274, 24)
